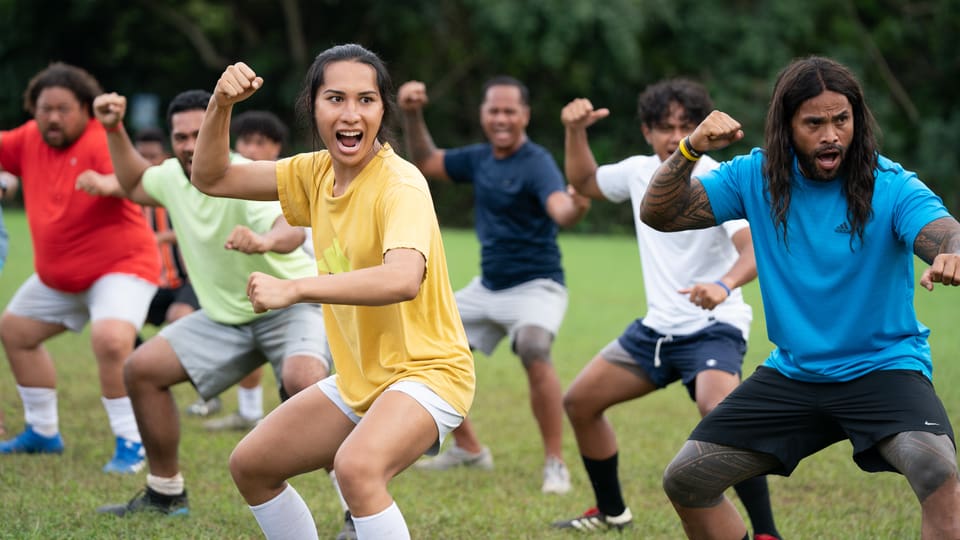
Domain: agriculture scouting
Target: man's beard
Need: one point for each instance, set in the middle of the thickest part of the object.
(811, 169)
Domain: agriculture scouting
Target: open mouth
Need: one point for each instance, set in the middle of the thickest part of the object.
(349, 140)
(828, 159)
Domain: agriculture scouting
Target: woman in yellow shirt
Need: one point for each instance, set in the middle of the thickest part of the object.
(405, 375)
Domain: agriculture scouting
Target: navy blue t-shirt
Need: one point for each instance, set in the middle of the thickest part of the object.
(518, 239)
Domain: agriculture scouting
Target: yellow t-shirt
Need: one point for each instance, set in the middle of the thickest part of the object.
(387, 206)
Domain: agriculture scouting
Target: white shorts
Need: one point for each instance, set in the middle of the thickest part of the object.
(444, 415)
(114, 296)
(489, 315)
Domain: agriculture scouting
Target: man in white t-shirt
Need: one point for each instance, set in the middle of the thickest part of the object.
(696, 324)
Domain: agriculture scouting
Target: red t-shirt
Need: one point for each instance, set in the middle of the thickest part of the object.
(77, 238)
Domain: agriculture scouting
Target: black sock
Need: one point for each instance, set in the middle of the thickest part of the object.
(606, 484)
(755, 497)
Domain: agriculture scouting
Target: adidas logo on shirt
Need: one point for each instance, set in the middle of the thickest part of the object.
(843, 228)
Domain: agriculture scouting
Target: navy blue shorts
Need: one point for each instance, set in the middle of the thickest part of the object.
(791, 419)
(665, 358)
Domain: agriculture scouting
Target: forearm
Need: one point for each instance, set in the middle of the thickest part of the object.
(674, 201)
(579, 164)
(128, 164)
(377, 286)
(941, 236)
(285, 239)
(417, 137)
(212, 155)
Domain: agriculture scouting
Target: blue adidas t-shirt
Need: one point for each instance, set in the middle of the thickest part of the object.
(518, 239)
(836, 308)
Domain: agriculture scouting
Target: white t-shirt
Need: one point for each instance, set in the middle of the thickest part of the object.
(672, 261)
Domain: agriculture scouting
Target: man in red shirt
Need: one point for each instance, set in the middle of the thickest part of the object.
(94, 257)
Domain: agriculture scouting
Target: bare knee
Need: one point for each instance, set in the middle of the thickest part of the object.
(533, 344)
(112, 341)
(355, 474)
(245, 468)
(578, 406)
(302, 371)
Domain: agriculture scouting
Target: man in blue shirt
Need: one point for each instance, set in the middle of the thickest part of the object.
(835, 226)
(520, 200)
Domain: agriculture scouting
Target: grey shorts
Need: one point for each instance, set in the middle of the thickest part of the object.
(444, 415)
(123, 297)
(490, 315)
(216, 356)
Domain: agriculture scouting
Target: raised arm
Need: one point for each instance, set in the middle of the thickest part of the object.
(579, 164)
(412, 98)
(938, 244)
(213, 173)
(676, 202)
(128, 164)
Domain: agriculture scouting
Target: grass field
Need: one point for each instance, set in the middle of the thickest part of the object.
(827, 497)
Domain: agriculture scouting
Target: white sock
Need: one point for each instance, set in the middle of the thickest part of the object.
(40, 409)
(285, 517)
(336, 487)
(122, 421)
(386, 525)
(250, 402)
(166, 486)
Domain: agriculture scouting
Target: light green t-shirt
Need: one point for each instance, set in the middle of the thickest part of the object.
(202, 224)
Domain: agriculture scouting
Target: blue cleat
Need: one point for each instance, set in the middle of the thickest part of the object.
(129, 458)
(31, 442)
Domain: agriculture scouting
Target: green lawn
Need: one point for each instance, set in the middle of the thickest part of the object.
(827, 497)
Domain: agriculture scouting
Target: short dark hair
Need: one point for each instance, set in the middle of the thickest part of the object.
(350, 52)
(653, 104)
(189, 100)
(506, 80)
(259, 123)
(58, 74)
(150, 134)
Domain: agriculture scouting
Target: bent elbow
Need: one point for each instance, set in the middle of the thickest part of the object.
(654, 220)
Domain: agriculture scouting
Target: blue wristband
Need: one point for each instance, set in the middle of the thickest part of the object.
(724, 285)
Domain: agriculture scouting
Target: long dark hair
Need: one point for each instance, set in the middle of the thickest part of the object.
(306, 102)
(802, 80)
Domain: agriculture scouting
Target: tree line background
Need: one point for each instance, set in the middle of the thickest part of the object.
(903, 51)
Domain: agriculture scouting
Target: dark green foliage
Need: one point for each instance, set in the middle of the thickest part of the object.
(607, 51)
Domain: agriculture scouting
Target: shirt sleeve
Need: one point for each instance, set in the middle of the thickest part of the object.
(291, 187)
(549, 179)
(11, 149)
(725, 184)
(409, 218)
(459, 162)
(916, 206)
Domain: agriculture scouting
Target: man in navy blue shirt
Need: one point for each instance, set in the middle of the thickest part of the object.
(520, 201)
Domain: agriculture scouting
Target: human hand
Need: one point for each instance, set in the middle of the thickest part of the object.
(267, 292)
(718, 130)
(109, 109)
(97, 184)
(244, 240)
(237, 83)
(944, 269)
(580, 114)
(580, 202)
(412, 96)
(706, 295)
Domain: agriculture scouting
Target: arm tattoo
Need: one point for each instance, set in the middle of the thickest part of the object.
(939, 236)
(674, 201)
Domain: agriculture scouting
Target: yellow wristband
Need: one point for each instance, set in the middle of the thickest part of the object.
(687, 152)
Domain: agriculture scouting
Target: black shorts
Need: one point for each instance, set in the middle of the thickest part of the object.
(791, 420)
(157, 314)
